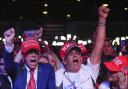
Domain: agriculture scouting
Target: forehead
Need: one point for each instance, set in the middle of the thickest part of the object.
(74, 50)
(32, 51)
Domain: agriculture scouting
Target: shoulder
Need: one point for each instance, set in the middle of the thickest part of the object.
(59, 73)
(46, 66)
(59, 76)
(61, 70)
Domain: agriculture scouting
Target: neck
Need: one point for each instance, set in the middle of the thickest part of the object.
(71, 71)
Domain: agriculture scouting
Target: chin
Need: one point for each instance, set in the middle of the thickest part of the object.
(76, 69)
(33, 66)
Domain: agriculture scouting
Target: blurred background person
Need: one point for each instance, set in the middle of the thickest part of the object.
(53, 60)
(119, 65)
(43, 59)
(5, 79)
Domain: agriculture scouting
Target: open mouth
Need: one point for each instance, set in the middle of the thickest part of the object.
(33, 60)
(75, 61)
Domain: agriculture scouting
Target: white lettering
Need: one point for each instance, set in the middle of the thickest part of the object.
(117, 61)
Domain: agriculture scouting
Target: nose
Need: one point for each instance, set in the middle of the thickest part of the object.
(74, 54)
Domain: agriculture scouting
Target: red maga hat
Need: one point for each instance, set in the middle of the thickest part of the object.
(118, 64)
(66, 48)
(30, 44)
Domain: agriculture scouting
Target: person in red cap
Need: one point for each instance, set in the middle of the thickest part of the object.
(32, 75)
(75, 75)
(119, 65)
(83, 53)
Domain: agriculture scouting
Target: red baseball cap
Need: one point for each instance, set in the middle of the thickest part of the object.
(83, 48)
(118, 64)
(66, 48)
(30, 44)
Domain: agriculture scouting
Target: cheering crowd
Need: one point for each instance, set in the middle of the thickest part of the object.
(30, 68)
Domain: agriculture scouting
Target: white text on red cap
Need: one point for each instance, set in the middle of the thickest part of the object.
(66, 46)
(117, 61)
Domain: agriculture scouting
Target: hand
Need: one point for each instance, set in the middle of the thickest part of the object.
(103, 11)
(39, 33)
(18, 57)
(9, 36)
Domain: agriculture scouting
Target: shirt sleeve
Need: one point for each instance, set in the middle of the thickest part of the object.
(94, 69)
(59, 76)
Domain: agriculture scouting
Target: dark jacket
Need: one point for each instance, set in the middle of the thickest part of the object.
(45, 74)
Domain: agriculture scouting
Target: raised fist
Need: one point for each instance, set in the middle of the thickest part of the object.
(9, 35)
(103, 11)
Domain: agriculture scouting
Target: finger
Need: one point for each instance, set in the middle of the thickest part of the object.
(106, 9)
(101, 7)
(12, 30)
(8, 32)
(41, 29)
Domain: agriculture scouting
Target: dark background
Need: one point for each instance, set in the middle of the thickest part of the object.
(26, 14)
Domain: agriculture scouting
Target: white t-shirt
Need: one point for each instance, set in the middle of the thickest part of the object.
(79, 80)
(104, 85)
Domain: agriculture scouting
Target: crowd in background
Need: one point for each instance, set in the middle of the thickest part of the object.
(73, 67)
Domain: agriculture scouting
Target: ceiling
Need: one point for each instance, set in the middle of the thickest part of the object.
(24, 12)
(58, 9)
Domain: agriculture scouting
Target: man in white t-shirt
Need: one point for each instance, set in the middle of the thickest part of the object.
(75, 75)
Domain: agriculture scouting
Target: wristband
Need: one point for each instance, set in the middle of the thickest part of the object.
(101, 24)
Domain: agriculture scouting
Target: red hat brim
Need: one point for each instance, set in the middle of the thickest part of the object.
(112, 66)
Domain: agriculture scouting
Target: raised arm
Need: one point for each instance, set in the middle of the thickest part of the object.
(8, 52)
(9, 37)
(100, 35)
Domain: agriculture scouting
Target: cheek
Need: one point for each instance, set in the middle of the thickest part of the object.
(27, 59)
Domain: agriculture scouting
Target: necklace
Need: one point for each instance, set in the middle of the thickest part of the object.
(77, 77)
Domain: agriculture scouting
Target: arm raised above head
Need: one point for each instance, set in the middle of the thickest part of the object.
(100, 35)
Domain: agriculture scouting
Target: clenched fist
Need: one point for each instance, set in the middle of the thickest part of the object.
(9, 36)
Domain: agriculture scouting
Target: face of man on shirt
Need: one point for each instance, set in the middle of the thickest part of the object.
(31, 58)
(72, 61)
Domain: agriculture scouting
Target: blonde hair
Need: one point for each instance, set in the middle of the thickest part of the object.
(57, 61)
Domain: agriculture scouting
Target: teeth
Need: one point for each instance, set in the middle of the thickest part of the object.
(75, 60)
(33, 60)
